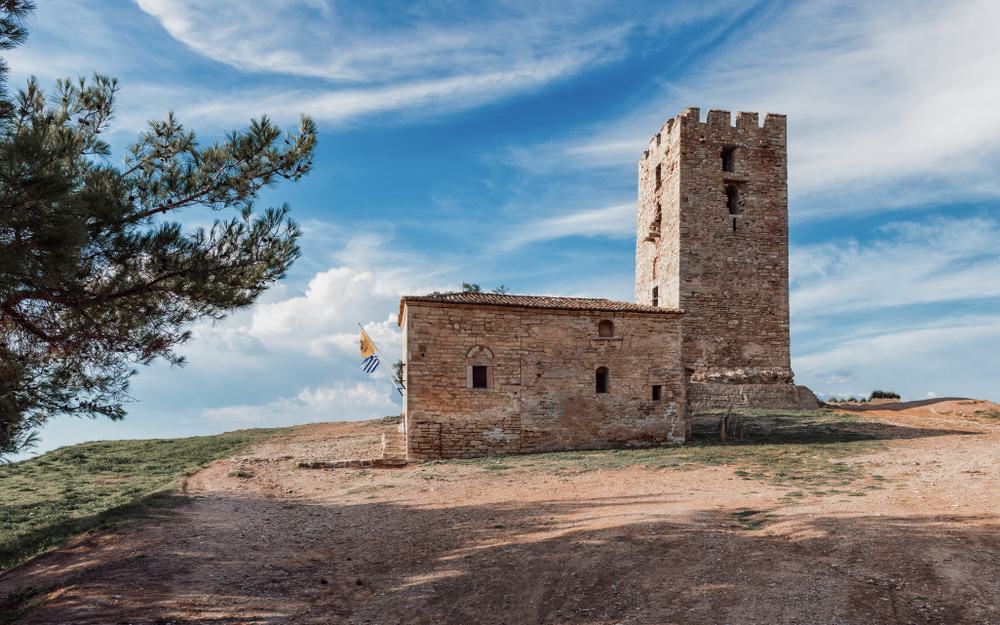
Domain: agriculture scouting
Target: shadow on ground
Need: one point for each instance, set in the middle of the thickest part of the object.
(813, 427)
(609, 560)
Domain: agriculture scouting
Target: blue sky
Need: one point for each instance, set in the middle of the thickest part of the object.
(497, 143)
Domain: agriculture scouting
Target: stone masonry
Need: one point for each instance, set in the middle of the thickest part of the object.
(541, 356)
(497, 374)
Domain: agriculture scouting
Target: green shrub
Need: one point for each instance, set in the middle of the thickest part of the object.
(880, 394)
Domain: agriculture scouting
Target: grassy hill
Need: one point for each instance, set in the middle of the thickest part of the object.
(57, 496)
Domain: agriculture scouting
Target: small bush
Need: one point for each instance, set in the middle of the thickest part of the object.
(880, 394)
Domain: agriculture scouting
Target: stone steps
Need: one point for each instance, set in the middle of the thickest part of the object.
(393, 446)
(356, 463)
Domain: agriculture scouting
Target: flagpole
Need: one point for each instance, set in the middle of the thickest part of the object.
(397, 383)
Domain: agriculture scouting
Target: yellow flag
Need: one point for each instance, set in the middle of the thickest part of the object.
(367, 346)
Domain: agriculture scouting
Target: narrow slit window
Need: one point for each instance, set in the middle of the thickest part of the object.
(657, 218)
(480, 378)
(601, 380)
(659, 177)
(729, 159)
(656, 296)
(733, 199)
(657, 392)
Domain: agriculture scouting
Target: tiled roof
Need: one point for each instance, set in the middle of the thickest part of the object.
(537, 301)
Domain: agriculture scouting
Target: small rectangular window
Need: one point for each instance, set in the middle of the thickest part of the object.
(601, 380)
(659, 178)
(656, 296)
(733, 199)
(729, 159)
(479, 377)
(657, 392)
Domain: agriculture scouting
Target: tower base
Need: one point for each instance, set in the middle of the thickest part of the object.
(712, 396)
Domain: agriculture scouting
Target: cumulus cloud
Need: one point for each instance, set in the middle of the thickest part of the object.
(310, 404)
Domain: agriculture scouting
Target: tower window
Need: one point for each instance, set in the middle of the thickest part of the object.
(733, 199)
(657, 392)
(729, 159)
(658, 217)
(601, 380)
(479, 377)
(605, 328)
(659, 178)
(656, 296)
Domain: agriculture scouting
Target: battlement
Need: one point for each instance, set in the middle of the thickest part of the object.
(746, 126)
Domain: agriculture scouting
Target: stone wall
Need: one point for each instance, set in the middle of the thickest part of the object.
(657, 240)
(541, 366)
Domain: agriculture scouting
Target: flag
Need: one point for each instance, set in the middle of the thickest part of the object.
(367, 346)
(370, 364)
(368, 349)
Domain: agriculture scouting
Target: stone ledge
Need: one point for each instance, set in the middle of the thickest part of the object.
(708, 395)
(357, 463)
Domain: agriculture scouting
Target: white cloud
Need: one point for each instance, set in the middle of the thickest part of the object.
(301, 345)
(953, 354)
(446, 94)
(359, 45)
(360, 401)
(871, 95)
(889, 104)
(613, 221)
(369, 63)
(905, 263)
(911, 308)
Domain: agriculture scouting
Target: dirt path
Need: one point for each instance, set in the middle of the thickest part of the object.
(263, 541)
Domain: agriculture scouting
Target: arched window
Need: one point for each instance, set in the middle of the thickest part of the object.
(605, 328)
(601, 380)
(479, 374)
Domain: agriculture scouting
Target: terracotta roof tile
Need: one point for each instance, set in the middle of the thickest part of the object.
(537, 301)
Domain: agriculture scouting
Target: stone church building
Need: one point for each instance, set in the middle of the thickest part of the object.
(496, 374)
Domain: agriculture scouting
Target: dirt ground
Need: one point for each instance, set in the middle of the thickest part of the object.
(263, 541)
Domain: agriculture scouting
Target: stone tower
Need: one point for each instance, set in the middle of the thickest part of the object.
(712, 240)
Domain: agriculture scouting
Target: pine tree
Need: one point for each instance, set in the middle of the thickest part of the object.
(95, 276)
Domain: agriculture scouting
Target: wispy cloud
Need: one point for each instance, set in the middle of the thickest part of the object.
(889, 104)
(953, 356)
(337, 105)
(369, 60)
(906, 263)
(912, 306)
(363, 44)
(310, 404)
(611, 221)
